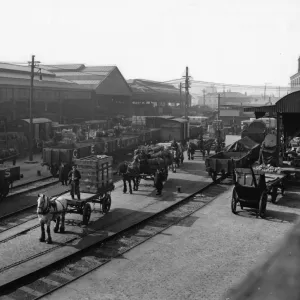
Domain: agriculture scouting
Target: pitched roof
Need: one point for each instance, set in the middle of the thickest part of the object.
(88, 76)
(5, 67)
(147, 86)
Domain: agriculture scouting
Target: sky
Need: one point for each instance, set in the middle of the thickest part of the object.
(249, 42)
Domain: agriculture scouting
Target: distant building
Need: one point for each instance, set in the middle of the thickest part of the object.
(295, 79)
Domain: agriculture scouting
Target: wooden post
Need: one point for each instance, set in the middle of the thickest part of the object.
(278, 139)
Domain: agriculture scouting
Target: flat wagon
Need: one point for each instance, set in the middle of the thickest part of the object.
(95, 187)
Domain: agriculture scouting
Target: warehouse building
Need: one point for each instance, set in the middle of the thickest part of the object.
(154, 98)
(49, 97)
(110, 93)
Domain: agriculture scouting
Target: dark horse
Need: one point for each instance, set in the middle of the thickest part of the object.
(191, 148)
(128, 175)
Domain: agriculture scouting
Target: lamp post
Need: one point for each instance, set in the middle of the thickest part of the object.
(32, 64)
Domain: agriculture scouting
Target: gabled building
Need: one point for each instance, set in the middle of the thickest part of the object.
(154, 98)
(295, 79)
(49, 95)
(111, 94)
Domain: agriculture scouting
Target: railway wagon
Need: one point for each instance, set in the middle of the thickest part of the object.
(54, 156)
(8, 174)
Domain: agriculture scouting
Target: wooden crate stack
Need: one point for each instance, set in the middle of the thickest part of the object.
(96, 173)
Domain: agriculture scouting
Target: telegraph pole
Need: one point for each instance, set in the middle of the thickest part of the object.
(32, 64)
(30, 110)
(279, 91)
(187, 83)
(203, 97)
(180, 87)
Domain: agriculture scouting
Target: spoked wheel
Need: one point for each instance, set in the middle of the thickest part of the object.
(106, 204)
(274, 195)
(263, 205)
(234, 201)
(87, 210)
(213, 176)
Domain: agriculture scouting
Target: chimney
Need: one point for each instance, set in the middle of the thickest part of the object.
(299, 64)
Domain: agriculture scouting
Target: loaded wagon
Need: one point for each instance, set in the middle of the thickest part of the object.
(8, 174)
(64, 153)
(223, 163)
(96, 186)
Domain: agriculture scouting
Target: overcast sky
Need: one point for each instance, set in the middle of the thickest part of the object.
(242, 42)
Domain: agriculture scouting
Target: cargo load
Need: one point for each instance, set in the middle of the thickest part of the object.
(96, 173)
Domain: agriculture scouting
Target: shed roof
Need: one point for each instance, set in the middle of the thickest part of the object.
(287, 104)
(38, 120)
(180, 120)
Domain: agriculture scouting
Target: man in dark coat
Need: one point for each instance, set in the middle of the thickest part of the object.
(64, 170)
(74, 177)
(158, 182)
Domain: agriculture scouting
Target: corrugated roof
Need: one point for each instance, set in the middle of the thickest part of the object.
(38, 120)
(266, 108)
(64, 67)
(179, 120)
(22, 69)
(88, 82)
(99, 68)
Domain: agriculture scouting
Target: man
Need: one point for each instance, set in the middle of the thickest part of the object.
(63, 174)
(174, 144)
(74, 177)
(158, 182)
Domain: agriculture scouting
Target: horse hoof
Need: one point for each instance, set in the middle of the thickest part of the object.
(130, 192)
(55, 230)
(62, 230)
(42, 240)
(49, 241)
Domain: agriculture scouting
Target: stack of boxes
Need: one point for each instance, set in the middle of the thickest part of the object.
(96, 173)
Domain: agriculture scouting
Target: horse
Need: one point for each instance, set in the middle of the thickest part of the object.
(51, 210)
(129, 174)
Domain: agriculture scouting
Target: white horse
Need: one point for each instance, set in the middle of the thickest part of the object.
(175, 160)
(51, 210)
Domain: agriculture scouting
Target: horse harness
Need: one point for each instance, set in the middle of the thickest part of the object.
(52, 203)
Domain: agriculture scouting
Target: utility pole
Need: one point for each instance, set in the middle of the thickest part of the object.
(180, 87)
(203, 97)
(279, 91)
(265, 92)
(187, 85)
(32, 64)
(30, 110)
(218, 115)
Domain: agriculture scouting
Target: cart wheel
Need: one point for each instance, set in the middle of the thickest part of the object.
(274, 195)
(213, 176)
(87, 210)
(263, 204)
(106, 204)
(234, 201)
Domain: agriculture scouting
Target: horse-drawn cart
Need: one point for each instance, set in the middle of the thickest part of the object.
(252, 187)
(8, 174)
(83, 206)
(96, 186)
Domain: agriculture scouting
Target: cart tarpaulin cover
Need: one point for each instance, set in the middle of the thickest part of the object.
(243, 145)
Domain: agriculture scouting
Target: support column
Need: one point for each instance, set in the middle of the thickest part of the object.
(278, 138)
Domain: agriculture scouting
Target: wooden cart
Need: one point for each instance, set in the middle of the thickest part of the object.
(225, 162)
(83, 206)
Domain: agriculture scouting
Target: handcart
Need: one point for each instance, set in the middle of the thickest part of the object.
(252, 187)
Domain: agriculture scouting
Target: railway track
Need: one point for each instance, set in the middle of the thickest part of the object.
(32, 186)
(67, 270)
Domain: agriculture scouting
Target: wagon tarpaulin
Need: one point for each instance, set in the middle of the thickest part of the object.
(243, 145)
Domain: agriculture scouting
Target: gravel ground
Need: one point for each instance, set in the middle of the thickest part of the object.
(199, 261)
